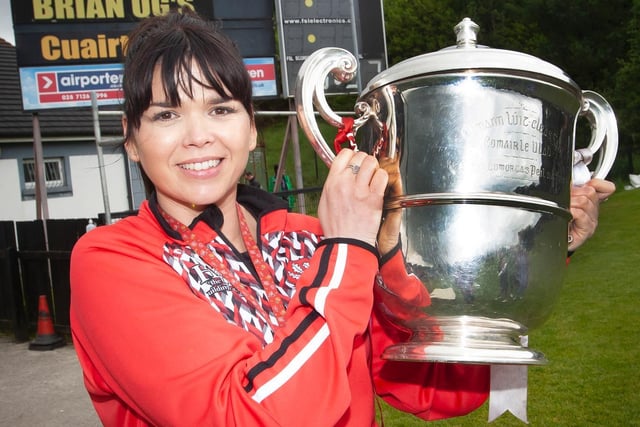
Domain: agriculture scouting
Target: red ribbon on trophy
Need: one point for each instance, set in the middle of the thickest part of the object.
(345, 135)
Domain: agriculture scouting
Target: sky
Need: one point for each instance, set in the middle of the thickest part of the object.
(6, 24)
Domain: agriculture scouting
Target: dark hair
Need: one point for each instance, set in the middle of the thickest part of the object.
(176, 41)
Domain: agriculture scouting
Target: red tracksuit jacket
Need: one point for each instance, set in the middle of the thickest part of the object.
(161, 343)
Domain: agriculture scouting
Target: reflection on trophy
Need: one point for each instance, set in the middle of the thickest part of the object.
(479, 144)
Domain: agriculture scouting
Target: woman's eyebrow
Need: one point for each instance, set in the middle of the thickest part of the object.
(160, 104)
(217, 99)
(211, 100)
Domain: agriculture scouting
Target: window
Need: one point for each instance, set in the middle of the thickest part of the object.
(54, 175)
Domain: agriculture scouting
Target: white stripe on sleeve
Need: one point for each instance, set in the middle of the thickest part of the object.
(336, 278)
(292, 367)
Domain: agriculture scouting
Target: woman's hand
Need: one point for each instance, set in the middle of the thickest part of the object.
(585, 204)
(389, 234)
(352, 197)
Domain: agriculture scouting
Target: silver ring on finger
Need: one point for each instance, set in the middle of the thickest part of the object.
(354, 168)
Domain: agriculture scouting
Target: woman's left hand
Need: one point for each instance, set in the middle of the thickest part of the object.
(389, 233)
(585, 204)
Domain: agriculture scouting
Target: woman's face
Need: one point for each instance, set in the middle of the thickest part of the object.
(194, 153)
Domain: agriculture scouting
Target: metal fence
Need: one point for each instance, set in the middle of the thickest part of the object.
(34, 261)
(303, 201)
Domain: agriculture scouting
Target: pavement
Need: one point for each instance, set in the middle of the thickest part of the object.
(42, 388)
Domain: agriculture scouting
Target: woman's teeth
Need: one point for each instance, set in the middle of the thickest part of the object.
(200, 165)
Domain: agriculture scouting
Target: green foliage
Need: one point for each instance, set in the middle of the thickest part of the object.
(417, 27)
(591, 339)
(626, 95)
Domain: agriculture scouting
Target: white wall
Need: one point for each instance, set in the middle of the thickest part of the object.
(85, 202)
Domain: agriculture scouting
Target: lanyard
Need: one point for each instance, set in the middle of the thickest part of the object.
(274, 297)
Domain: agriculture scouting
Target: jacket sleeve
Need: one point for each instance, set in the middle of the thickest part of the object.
(143, 337)
(427, 390)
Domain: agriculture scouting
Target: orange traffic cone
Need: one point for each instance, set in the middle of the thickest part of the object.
(46, 338)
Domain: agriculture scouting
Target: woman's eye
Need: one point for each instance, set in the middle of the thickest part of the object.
(222, 110)
(164, 115)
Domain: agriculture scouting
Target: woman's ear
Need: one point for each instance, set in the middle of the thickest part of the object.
(254, 137)
(129, 144)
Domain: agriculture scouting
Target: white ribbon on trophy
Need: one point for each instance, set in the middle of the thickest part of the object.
(509, 389)
(581, 173)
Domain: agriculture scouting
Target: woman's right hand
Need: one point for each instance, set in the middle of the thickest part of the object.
(352, 197)
(585, 209)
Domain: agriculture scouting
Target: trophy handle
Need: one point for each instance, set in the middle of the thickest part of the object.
(604, 134)
(310, 91)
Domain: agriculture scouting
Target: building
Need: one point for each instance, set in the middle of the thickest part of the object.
(71, 162)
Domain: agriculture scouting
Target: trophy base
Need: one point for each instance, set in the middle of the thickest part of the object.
(467, 339)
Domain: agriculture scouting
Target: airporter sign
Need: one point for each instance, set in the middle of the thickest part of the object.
(67, 49)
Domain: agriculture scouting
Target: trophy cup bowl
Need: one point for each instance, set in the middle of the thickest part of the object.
(483, 143)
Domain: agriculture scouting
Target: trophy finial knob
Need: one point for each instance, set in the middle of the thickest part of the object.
(466, 33)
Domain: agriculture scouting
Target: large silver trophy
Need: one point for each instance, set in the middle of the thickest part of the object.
(483, 143)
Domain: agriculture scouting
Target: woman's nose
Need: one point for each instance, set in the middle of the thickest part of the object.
(198, 133)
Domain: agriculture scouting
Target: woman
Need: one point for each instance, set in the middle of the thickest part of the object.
(214, 305)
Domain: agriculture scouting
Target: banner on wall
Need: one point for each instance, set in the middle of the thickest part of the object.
(70, 86)
(62, 45)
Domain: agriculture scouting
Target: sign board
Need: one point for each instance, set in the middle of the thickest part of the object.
(70, 86)
(354, 25)
(263, 76)
(88, 37)
(69, 32)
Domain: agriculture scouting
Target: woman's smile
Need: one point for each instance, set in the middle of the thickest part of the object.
(200, 166)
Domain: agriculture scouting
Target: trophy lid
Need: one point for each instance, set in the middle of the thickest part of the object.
(468, 56)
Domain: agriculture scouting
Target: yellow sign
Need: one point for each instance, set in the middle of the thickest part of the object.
(102, 9)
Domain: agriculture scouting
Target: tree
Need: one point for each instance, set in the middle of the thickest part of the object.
(626, 95)
(415, 27)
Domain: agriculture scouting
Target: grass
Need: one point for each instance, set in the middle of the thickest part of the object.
(314, 171)
(591, 339)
